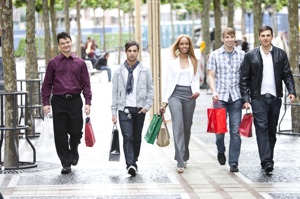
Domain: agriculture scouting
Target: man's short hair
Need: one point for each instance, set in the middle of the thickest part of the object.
(228, 31)
(63, 35)
(132, 43)
(264, 28)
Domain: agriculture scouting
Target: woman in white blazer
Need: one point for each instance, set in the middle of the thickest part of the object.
(181, 89)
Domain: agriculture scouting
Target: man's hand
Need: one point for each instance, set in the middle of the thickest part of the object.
(215, 96)
(114, 119)
(46, 109)
(246, 105)
(291, 97)
(143, 111)
(87, 109)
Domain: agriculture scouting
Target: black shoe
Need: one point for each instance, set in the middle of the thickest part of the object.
(131, 170)
(75, 161)
(66, 170)
(234, 168)
(269, 169)
(221, 158)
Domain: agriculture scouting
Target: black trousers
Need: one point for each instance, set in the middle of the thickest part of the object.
(266, 114)
(67, 123)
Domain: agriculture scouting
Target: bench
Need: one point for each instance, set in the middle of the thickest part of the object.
(91, 70)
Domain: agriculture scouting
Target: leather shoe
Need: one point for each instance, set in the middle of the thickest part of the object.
(221, 158)
(269, 169)
(132, 170)
(66, 170)
(234, 168)
(75, 161)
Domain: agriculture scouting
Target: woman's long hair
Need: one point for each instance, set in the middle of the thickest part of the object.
(190, 52)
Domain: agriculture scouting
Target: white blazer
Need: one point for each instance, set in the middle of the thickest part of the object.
(172, 77)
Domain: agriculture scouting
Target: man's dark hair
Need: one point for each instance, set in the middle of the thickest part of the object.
(132, 43)
(63, 35)
(264, 28)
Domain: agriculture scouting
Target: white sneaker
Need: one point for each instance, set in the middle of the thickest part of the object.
(131, 170)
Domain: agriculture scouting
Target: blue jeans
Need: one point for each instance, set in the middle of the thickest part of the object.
(108, 69)
(234, 111)
(266, 115)
(131, 125)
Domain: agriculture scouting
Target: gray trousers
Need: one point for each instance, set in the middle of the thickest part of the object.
(182, 110)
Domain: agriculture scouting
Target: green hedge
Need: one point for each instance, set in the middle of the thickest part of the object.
(40, 47)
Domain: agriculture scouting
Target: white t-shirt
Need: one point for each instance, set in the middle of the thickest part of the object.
(131, 98)
(268, 80)
(184, 77)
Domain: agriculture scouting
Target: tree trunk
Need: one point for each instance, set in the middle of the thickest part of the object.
(230, 13)
(120, 32)
(53, 28)
(47, 37)
(294, 56)
(67, 18)
(243, 27)
(10, 151)
(257, 20)
(218, 31)
(171, 21)
(78, 8)
(132, 19)
(205, 34)
(103, 31)
(31, 67)
(193, 22)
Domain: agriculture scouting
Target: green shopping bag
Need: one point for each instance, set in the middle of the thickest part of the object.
(153, 128)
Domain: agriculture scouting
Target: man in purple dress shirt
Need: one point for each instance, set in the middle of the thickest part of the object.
(66, 77)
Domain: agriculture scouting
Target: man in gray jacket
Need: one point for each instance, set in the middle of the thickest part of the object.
(132, 97)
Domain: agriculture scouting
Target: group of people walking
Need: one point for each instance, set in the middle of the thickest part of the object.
(251, 80)
(235, 78)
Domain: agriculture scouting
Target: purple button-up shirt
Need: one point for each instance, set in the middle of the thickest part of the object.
(66, 76)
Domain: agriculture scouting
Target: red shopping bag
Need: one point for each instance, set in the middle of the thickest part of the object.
(89, 133)
(216, 120)
(245, 128)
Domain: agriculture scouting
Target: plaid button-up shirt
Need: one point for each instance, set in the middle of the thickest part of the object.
(227, 72)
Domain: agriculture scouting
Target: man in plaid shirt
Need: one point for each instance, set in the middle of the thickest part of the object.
(223, 79)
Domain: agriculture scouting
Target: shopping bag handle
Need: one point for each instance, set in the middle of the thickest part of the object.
(248, 109)
(218, 103)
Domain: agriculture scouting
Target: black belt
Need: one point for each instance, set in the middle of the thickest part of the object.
(68, 96)
(268, 96)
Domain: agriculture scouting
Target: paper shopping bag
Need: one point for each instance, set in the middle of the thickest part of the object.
(163, 138)
(153, 128)
(216, 120)
(245, 127)
(89, 133)
(114, 152)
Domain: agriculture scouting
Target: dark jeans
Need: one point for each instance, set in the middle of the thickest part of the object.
(266, 113)
(67, 122)
(131, 128)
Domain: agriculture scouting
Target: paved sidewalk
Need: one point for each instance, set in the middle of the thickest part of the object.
(96, 178)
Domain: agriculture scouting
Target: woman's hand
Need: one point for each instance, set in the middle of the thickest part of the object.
(162, 109)
(195, 96)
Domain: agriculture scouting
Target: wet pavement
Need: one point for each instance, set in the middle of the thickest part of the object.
(95, 177)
